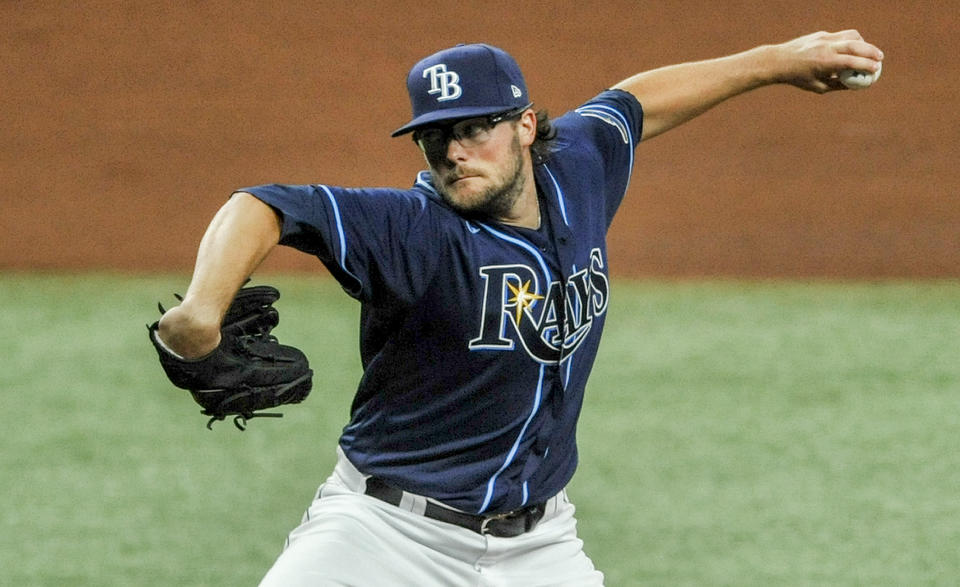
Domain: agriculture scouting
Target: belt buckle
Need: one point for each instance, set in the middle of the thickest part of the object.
(484, 530)
(518, 522)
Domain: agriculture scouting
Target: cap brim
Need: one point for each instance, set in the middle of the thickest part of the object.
(445, 115)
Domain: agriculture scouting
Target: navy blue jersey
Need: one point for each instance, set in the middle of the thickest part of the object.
(476, 338)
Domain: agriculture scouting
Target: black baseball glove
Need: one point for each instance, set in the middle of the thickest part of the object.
(249, 371)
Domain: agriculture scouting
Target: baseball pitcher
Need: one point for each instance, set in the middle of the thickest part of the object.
(484, 289)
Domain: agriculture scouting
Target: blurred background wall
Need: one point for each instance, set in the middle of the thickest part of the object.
(125, 125)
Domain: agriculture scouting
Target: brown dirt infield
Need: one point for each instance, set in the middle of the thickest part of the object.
(126, 124)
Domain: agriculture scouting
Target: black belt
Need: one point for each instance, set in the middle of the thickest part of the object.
(505, 525)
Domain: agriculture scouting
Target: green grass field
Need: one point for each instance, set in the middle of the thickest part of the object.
(733, 434)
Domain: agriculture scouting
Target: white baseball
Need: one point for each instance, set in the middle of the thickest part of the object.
(858, 80)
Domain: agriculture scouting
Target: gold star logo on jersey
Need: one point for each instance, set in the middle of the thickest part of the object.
(523, 298)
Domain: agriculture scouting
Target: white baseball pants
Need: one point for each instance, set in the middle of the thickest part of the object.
(348, 538)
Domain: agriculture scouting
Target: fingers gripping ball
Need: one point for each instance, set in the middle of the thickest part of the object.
(858, 80)
(249, 371)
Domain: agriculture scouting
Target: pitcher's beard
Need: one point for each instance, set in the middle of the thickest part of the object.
(496, 201)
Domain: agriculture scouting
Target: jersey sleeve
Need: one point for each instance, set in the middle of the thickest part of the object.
(370, 239)
(601, 136)
(621, 115)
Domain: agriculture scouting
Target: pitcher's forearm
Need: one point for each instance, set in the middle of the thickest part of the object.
(675, 94)
(237, 240)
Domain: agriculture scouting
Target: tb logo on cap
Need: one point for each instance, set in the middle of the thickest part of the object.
(443, 82)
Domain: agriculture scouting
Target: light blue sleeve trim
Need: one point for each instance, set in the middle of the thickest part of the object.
(342, 257)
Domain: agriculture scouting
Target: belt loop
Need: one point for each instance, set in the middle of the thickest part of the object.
(557, 501)
(413, 503)
(349, 475)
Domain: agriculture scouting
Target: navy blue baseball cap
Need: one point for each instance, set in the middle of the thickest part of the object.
(463, 82)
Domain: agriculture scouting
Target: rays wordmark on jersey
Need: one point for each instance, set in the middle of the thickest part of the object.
(550, 325)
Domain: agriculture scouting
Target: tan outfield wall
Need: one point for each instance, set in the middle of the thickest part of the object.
(126, 124)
